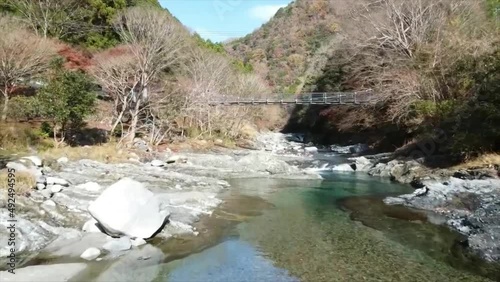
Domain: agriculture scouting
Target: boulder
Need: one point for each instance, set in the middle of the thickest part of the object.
(40, 186)
(91, 254)
(118, 245)
(128, 208)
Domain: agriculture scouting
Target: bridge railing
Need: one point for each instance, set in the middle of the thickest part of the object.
(323, 98)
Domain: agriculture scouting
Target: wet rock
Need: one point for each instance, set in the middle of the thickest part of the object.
(46, 273)
(91, 254)
(128, 208)
(118, 245)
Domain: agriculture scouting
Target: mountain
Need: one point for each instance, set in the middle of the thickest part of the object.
(296, 42)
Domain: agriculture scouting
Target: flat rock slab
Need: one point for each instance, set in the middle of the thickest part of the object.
(44, 273)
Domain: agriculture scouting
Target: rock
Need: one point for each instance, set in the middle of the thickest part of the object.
(89, 186)
(91, 226)
(133, 266)
(40, 186)
(128, 208)
(417, 183)
(44, 273)
(91, 254)
(56, 188)
(138, 242)
(57, 181)
(219, 141)
(342, 167)
(62, 160)
(141, 145)
(176, 159)
(35, 160)
(310, 149)
(361, 164)
(73, 246)
(157, 163)
(46, 193)
(18, 167)
(48, 204)
(41, 179)
(118, 245)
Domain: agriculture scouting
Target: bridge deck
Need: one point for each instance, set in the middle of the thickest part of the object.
(327, 98)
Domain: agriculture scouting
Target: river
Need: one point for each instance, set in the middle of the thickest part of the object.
(335, 229)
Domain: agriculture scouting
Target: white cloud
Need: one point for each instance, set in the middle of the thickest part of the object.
(265, 12)
(214, 36)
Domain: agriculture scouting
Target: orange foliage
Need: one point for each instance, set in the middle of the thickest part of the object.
(75, 59)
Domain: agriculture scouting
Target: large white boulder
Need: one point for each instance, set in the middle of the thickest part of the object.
(35, 160)
(128, 208)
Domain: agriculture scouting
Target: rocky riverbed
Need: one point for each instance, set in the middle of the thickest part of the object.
(87, 211)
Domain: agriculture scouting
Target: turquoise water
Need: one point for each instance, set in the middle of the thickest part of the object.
(331, 230)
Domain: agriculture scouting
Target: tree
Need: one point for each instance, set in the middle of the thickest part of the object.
(56, 18)
(155, 40)
(115, 71)
(66, 101)
(23, 56)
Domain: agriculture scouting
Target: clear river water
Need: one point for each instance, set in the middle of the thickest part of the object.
(335, 229)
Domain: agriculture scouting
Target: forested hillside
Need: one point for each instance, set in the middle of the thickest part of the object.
(152, 76)
(433, 66)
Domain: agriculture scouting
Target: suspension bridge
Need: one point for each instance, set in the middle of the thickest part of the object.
(317, 98)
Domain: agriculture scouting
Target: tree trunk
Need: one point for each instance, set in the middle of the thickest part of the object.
(133, 123)
(5, 107)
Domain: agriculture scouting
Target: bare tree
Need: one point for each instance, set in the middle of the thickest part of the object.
(23, 55)
(115, 71)
(155, 41)
(47, 17)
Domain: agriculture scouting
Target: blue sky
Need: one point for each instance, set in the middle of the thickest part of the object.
(219, 20)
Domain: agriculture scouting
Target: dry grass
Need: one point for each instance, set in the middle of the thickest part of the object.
(486, 160)
(107, 153)
(24, 182)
